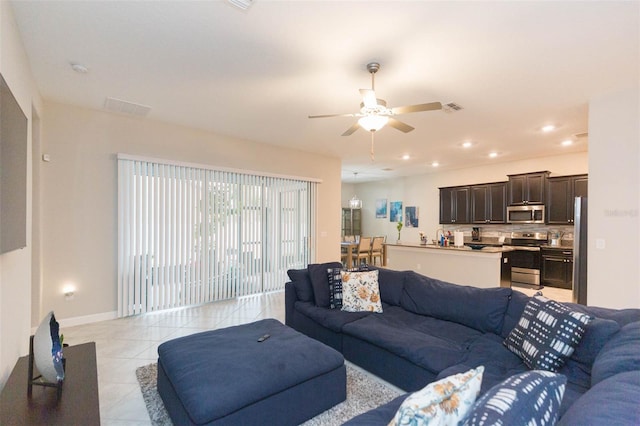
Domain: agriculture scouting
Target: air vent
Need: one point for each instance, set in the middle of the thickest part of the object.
(451, 107)
(123, 107)
(581, 135)
(241, 4)
(387, 169)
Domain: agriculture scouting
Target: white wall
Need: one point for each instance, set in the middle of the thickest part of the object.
(15, 267)
(614, 177)
(79, 194)
(422, 191)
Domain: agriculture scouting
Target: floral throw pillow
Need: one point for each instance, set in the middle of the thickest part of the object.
(360, 292)
(445, 402)
(546, 334)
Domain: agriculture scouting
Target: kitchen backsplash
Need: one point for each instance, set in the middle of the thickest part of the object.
(496, 231)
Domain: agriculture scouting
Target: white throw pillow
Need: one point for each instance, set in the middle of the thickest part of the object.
(445, 402)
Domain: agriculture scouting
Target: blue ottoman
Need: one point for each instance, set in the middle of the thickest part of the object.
(227, 377)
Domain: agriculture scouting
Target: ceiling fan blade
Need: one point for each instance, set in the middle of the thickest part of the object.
(351, 129)
(369, 98)
(432, 106)
(331, 115)
(397, 124)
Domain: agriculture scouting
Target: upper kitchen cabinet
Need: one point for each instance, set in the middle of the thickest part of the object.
(561, 193)
(454, 204)
(527, 188)
(488, 203)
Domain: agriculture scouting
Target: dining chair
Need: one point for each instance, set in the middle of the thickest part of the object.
(363, 252)
(376, 250)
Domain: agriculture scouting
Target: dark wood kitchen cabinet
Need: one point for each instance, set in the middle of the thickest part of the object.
(561, 193)
(454, 204)
(527, 188)
(488, 203)
(557, 267)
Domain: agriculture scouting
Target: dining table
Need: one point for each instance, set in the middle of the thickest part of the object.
(351, 249)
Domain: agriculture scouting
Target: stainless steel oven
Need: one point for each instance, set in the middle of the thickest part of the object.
(525, 214)
(526, 259)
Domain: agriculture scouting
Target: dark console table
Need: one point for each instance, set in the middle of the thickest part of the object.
(78, 404)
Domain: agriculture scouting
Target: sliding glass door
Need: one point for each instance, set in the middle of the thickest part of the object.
(190, 235)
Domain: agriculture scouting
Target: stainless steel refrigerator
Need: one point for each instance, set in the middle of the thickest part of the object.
(580, 251)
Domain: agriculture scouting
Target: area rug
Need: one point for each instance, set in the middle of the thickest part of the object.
(364, 392)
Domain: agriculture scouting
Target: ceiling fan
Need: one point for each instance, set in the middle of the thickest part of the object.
(374, 113)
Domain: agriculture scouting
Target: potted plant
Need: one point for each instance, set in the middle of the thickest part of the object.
(399, 227)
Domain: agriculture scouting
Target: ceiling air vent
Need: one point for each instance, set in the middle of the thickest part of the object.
(241, 4)
(124, 107)
(451, 107)
(581, 135)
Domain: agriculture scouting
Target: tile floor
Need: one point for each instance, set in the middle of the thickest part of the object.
(557, 294)
(125, 344)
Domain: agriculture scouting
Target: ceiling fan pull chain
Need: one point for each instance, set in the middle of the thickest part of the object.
(371, 152)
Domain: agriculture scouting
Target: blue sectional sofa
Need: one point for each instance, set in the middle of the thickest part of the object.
(430, 329)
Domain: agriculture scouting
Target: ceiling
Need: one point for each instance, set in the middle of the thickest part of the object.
(257, 74)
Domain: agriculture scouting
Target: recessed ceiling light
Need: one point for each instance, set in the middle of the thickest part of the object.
(566, 142)
(406, 157)
(548, 128)
(79, 68)
(467, 144)
(493, 154)
(435, 164)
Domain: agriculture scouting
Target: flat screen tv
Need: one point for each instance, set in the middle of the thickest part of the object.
(13, 172)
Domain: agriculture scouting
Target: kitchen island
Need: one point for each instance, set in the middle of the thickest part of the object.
(485, 268)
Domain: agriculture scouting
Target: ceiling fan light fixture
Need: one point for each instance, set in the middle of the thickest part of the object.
(373, 123)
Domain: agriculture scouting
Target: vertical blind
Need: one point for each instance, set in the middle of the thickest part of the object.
(190, 235)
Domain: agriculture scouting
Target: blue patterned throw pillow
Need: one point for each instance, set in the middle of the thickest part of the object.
(546, 334)
(335, 284)
(527, 398)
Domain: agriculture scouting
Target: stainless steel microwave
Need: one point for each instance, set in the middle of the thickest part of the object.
(525, 214)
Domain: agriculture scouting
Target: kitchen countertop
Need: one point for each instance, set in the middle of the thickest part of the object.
(487, 249)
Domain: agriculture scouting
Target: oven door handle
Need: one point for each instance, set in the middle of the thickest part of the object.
(525, 248)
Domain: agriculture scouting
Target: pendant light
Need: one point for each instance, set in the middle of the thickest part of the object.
(355, 202)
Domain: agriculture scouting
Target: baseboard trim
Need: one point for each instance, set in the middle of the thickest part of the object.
(85, 319)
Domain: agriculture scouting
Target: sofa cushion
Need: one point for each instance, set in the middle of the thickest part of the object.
(391, 284)
(302, 284)
(320, 282)
(360, 292)
(333, 319)
(427, 342)
(546, 334)
(489, 351)
(620, 354)
(446, 401)
(612, 401)
(479, 308)
(379, 416)
(528, 398)
(597, 333)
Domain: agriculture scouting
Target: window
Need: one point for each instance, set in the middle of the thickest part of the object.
(190, 234)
